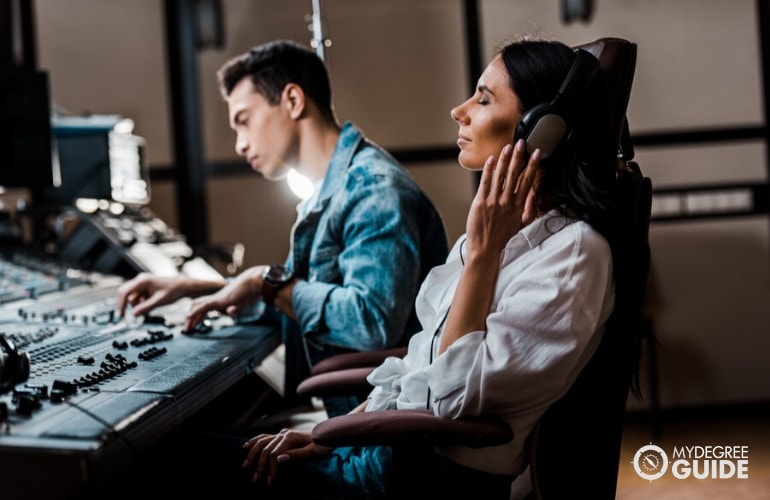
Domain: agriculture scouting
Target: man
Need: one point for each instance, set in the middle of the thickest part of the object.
(361, 245)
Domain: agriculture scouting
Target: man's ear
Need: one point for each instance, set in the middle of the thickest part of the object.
(293, 98)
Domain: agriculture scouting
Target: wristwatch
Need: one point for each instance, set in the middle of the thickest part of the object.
(274, 278)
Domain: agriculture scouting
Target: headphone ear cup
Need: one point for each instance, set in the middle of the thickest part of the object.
(14, 365)
(542, 127)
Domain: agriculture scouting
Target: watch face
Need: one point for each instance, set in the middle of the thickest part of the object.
(274, 278)
(278, 274)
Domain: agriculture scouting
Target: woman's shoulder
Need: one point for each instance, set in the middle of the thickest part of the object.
(577, 237)
(556, 227)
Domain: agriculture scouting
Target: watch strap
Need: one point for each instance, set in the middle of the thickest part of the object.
(274, 278)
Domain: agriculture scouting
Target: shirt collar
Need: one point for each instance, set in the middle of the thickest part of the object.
(541, 228)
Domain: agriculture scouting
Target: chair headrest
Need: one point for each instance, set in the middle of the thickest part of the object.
(617, 62)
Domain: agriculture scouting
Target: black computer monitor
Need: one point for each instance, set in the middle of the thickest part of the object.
(83, 158)
(98, 157)
(25, 131)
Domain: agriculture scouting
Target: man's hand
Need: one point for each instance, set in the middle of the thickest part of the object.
(241, 292)
(146, 292)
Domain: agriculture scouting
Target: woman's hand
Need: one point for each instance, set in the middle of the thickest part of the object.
(503, 204)
(266, 451)
(231, 299)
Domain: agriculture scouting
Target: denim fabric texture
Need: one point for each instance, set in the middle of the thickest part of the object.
(347, 473)
(360, 249)
(383, 473)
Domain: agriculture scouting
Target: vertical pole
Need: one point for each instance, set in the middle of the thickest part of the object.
(6, 34)
(473, 44)
(28, 35)
(189, 166)
(763, 16)
(319, 40)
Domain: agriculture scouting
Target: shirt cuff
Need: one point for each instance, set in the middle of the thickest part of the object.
(251, 314)
(309, 300)
(449, 373)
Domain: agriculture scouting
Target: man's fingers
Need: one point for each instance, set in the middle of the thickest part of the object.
(127, 296)
(121, 305)
(142, 306)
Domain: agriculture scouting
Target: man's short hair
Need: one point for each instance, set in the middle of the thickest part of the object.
(275, 64)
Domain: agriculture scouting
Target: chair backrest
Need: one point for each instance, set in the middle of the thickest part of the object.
(575, 449)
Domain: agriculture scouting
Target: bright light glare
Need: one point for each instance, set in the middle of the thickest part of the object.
(87, 205)
(300, 185)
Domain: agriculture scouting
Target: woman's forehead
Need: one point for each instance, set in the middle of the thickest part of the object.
(495, 76)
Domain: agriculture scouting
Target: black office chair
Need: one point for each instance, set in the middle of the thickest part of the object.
(587, 423)
(585, 426)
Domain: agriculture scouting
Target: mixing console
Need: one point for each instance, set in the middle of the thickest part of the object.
(84, 391)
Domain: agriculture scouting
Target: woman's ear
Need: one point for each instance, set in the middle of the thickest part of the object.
(293, 98)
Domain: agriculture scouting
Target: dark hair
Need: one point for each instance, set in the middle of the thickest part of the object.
(275, 64)
(578, 178)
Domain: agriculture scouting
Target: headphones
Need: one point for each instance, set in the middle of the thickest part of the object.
(14, 365)
(546, 125)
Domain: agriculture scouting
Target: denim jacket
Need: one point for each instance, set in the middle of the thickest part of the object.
(360, 250)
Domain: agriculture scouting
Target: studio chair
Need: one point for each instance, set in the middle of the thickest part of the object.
(345, 374)
(586, 424)
(575, 447)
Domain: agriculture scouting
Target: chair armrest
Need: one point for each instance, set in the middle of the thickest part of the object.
(394, 427)
(337, 383)
(356, 360)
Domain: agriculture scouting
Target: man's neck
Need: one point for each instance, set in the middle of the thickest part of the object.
(317, 143)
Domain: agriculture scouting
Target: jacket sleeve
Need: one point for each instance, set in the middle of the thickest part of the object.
(379, 264)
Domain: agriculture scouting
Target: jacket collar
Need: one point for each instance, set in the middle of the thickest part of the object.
(347, 145)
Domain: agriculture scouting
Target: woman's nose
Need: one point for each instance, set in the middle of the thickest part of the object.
(458, 115)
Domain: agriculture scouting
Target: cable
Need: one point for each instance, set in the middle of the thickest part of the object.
(440, 326)
(435, 334)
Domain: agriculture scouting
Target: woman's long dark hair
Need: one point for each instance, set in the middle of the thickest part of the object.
(578, 178)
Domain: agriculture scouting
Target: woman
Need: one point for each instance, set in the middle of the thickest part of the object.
(512, 316)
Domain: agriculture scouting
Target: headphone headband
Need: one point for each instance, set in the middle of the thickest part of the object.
(580, 74)
(546, 125)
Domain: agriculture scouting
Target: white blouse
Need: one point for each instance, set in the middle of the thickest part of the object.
(553, 296)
